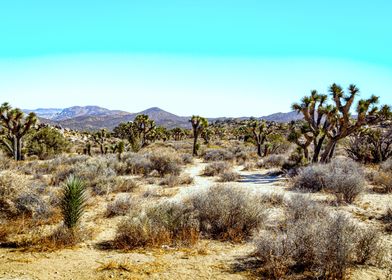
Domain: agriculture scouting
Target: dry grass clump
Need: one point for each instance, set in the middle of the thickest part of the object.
(314, 242)
(272, 161)
(165, 163)
(218, 155)
(30, 204)
(6, 162)
(229, 176)
(160, 160)
(186, 158)
(382, 179)
(167, 223)
(227, 213)
(120, 206)
(387, 165)
(125, 185)
(19, 196)
(216, 168)
(133, 164)
(387, 219)
(220, 212)
(175, 180)
(344, 178)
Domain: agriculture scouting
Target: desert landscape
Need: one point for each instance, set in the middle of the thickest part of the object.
(195, 140)
(225, 199)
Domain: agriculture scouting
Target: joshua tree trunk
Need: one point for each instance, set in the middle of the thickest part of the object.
(259, 150)
(318, 145)
(329, 149)
(195, 142)
(17, 148)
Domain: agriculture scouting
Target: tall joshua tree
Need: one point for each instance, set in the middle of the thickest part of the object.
(198, 125)
(100, 138)
(316, 115)
(14, 126)
(145, 126)
(260, 131)
(326, 124)
(342, 125)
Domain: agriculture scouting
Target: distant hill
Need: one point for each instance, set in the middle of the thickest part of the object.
(49, 113)
(283, 117)
(94, 117)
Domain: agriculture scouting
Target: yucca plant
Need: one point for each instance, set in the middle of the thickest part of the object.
(73, 201)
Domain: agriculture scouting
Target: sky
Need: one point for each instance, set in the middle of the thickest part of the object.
(213, 58)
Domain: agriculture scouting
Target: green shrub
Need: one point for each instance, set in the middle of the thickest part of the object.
(46, 143)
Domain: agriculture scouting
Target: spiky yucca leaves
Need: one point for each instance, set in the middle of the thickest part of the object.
(73, 201)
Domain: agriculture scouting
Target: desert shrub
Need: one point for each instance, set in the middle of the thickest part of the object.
(218, 155)
(186, 158)
(152, 192)
(46, 142)
(174, 180)
(125, 185)
(383, 181)
(342, 177)
(220, 212)
(73, 201)
(167, 223)
(5, 162)
(322, 244)
(32, 205)
(134, 164)
(273, 161)
(119, 207)
(249, 166)
(216, 168)
(387, 219)
(311, 178)
(227, 213)
(165, 163)
(229, 176)
(387, 165)
(11, 184)
(367, 246)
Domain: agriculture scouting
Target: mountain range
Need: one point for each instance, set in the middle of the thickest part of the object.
(95, 117)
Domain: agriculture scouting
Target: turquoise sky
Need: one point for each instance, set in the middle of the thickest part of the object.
(213, 58)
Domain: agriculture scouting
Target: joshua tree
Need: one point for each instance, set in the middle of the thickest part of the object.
(260, 131)
(316, 115)
(119, 148)
(160, 133)
(100, 138)
(342, 125)
(206, 134)
(198, 125)
(178, 133)
(145, 127)
(14, 126)
(87, 149)
(371, 145)
(331, 123)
